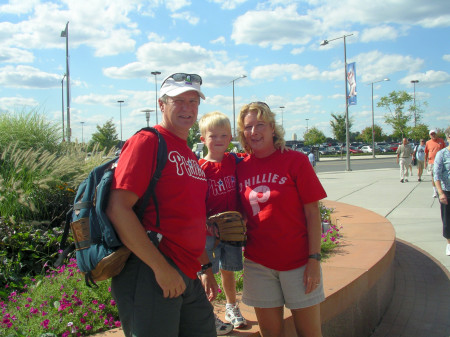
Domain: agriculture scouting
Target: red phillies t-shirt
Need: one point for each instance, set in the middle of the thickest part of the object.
(221, 177)
(273, 191)
(181, 193)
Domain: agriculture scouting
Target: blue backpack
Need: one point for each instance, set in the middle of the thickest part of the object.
(99, 252)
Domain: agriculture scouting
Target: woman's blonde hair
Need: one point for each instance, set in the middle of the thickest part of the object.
(212, 120)
(266, 115)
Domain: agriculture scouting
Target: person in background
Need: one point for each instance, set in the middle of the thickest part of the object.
(312, 159)
(280, 195)
(404, 156)
(158, 292)
(441, 172)
(419, 154)
(220, 170)
(433, 146)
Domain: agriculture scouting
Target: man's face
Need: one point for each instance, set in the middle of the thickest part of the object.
(433, 135)
(180, 112)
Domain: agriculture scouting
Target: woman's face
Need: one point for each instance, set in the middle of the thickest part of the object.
(258, 135)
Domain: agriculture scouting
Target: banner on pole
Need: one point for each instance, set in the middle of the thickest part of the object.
(351, 83)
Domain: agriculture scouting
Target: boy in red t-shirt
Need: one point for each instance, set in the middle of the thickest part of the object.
(220, 171)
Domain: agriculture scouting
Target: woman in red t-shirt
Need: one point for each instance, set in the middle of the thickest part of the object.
(280, 195)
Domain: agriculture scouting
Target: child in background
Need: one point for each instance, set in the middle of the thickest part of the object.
(220, 171)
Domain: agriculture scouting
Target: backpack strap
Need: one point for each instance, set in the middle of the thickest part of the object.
(150, 192)
(236, 157)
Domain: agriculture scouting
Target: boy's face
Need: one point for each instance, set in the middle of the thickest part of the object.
(217, 139)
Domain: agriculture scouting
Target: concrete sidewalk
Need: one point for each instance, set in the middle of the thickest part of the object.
(420, 306)
(409, 206)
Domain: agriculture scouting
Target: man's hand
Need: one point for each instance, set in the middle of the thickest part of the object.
(170, 281)
(210, 284)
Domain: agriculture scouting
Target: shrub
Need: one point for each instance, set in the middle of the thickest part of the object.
(59, 304)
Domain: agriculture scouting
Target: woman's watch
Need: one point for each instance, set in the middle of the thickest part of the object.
(316, 256)
(204, 268)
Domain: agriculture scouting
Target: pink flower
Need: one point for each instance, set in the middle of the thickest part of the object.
(88, 327)
(117, 324)
(45, 323)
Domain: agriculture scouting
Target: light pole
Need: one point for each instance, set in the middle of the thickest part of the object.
(234, 114)
(373, 124)
(156, 73)
(414, 83)
(307, 119)
(82, 133)
(147, 115)
(282, 121)
(347, 131)
(120, 106)
(62, 106)
(65, 33)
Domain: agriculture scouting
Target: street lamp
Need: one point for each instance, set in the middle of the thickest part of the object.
(282, 122)
(373, 125)
(347, 131)
(156, 73)
(62, 106)
(307, 119)
(120, 105)
(414, 82)
(65, 33)
(234, 114)
(147, 115)
(82, 133)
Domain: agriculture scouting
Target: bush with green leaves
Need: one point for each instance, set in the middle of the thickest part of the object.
(30, 130)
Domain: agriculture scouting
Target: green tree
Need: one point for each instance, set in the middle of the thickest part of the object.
(338, 126)
(106, 137)
(194, 135)
(397, 117)
(314, 136)
(366, 134)
(418, 132)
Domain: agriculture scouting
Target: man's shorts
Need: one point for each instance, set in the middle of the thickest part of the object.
(420, 164)
(430, 168)
(224, 256)
(144, 311)
(268, 288)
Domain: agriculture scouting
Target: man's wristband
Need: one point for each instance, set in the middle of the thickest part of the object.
(204, 268)
(316, 256)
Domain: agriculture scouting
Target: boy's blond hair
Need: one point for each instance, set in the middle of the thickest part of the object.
(212, 120)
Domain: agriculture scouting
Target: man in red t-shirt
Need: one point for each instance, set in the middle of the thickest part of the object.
(158, 292)
(433, 146)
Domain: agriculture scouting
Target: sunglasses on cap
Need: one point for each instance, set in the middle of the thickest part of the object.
(181, 77)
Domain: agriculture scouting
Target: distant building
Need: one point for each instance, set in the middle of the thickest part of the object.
(294, 136)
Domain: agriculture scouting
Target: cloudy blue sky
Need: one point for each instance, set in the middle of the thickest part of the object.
(114, 45)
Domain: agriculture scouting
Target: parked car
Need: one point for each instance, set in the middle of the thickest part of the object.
(368, 149)
(353, 149)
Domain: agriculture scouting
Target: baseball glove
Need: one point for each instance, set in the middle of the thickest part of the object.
(228, 227)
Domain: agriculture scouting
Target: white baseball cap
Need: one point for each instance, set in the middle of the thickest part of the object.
(432, 131)
(179, 83)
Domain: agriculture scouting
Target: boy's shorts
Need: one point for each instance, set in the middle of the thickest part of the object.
(268, 288)
(225, 257)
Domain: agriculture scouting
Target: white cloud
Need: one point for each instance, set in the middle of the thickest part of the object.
(18, 6)
(229, 4)
(174, 5)
(16, 104)
(219, 40)
(446, 57)
(15, 55)
(275, 28)
(27, 77)
(187, 16)
(380, 33)
(430, 78)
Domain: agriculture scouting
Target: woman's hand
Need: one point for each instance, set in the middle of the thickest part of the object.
(311, 277)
